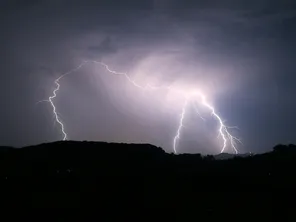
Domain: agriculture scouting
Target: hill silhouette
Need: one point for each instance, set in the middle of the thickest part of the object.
(98, 175)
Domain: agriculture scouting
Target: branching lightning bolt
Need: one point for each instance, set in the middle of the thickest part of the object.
(223, 130)
(192, 97)
(54, 95)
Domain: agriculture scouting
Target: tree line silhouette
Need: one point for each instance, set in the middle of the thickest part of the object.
(101, 175)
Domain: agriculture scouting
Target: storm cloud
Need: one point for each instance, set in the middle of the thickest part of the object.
(241, 53)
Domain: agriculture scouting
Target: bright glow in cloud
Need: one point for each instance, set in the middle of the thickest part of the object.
(185, 94)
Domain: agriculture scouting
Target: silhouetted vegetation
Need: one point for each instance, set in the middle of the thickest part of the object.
(108, 175)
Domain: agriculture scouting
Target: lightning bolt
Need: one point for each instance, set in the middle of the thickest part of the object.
(54, 95)
(223, 130)
(177, 136)
(193, 97)
(148, 86)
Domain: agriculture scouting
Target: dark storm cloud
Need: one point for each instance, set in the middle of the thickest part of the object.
(107, 46)
(246, 47)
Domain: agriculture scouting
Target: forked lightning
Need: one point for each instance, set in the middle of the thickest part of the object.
(195, 96)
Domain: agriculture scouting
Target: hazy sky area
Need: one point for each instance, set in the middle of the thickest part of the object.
(240, 53)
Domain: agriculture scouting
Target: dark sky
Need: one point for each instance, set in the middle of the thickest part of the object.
(241, 52)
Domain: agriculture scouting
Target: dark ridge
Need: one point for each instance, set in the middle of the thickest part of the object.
(103, 176)
(223, 156)
(4, 149)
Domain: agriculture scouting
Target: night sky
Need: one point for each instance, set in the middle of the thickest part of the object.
(241, 53)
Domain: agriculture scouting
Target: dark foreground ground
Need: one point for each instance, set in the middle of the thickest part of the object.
(103, 177)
